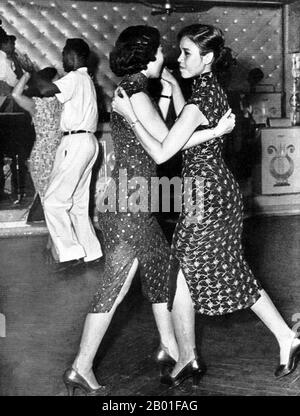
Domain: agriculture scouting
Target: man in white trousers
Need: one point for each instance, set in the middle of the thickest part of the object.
(66, 202)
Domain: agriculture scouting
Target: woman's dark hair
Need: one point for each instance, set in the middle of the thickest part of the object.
(209, 39)
(45, 74)
(134, 49)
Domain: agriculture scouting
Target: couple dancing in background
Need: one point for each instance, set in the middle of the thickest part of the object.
(205, 270)
(65, 116)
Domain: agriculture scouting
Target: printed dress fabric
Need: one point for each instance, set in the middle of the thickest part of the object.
(46, 122)
(206, 243)
(127, 234)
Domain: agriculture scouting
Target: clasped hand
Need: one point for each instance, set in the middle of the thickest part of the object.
(226, 124)
(168, 81)
(122, 105)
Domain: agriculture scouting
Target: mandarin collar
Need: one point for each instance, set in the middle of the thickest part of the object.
(203, 77)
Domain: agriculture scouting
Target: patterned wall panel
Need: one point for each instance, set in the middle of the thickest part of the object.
(294, 27)
(41, 27)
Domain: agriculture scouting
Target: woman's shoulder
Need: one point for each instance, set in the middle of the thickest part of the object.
(205, 89)
(134, 83)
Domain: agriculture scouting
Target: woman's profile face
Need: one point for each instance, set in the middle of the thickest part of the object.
(155, 67)
(191, 63)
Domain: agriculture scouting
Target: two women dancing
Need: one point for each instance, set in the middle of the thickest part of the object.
(213, 277)
(205, 270)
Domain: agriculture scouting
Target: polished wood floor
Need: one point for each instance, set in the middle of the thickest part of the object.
(45, 313)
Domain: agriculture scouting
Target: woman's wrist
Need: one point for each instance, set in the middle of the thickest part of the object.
(168, 96)
(130, 117)
(166, 91)
(132, 123)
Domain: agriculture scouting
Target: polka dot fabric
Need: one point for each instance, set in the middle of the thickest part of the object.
(207, 242)
(129, 235)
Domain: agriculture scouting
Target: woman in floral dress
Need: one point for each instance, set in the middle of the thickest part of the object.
(45, 113)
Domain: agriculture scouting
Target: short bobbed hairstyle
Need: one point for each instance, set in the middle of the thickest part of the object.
(46, 74)
(134, 49)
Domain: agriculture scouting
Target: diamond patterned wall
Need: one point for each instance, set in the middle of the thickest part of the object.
(41, 28)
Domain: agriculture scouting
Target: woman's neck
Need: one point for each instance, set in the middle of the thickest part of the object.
(145, 72)
(206, 70)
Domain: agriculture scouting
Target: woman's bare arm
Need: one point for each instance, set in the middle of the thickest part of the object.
(174, 140)
(149, 116)
(153, 123)
(163, 148)
(25, 102)
(177, 96)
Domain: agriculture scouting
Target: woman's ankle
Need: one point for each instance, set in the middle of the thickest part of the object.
(83, 368)
(170, 348)
(187, 355)
(287, 337)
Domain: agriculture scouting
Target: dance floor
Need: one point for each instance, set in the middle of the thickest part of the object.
(45, 313)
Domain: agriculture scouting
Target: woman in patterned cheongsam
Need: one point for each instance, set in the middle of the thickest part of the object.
(208, 272)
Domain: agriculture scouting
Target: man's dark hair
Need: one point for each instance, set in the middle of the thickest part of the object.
(79, 46)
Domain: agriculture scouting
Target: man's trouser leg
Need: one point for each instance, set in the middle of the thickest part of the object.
(79, 214)
(76, 154)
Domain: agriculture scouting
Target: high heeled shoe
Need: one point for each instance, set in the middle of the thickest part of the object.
(285, 369)
(193, 369)
(164, 360)
(73, 380)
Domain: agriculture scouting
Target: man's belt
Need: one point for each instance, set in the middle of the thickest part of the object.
(75, 132)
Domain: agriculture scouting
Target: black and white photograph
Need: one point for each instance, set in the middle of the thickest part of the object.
(149, 201)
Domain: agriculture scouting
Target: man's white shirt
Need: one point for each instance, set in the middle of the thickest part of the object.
(77, 93)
